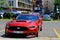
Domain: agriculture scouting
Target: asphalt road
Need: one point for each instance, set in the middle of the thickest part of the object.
(51, 31)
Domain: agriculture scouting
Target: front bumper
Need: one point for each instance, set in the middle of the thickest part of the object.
(27, 33)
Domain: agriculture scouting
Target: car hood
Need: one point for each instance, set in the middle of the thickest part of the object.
(20, 22)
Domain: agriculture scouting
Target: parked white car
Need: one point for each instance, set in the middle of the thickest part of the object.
(1, 14)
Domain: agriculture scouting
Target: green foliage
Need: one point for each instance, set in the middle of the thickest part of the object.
(1, 8)
(3, 2)
(57, 2)
(7, 15)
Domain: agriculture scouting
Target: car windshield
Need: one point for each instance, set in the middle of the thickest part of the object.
(26, 17)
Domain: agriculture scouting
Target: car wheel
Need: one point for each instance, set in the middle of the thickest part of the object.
(37, 33)
(6, 34)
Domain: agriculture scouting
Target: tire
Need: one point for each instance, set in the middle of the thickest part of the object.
(6, 34)
(37, 32)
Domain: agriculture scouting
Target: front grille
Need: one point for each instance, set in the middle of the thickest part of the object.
(17, 35)
(16, 28)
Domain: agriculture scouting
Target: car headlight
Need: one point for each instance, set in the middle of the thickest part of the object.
(32, 27)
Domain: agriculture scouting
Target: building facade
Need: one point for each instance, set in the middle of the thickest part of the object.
(26, 4)
(19, 4)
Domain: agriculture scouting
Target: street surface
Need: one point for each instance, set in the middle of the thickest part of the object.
(51, 31)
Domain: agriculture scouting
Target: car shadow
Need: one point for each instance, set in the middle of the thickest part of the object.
(4, 36)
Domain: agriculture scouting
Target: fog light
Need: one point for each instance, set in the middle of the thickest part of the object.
(7, 26)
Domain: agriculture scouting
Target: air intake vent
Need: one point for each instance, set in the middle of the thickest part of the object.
(20, 21)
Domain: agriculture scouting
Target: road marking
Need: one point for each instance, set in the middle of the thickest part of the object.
(58, 35)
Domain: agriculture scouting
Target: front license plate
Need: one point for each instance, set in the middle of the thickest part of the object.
(17, 31)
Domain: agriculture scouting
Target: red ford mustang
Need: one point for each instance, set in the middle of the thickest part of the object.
(24, 25)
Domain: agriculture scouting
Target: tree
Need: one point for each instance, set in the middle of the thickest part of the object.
(57, 6)
(3, 4)
(57, 2)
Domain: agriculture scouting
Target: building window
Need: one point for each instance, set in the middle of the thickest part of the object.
(19, 4)
(26, 1)
(11, 3)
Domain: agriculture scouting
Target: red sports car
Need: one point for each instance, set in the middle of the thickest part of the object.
(24, 25)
